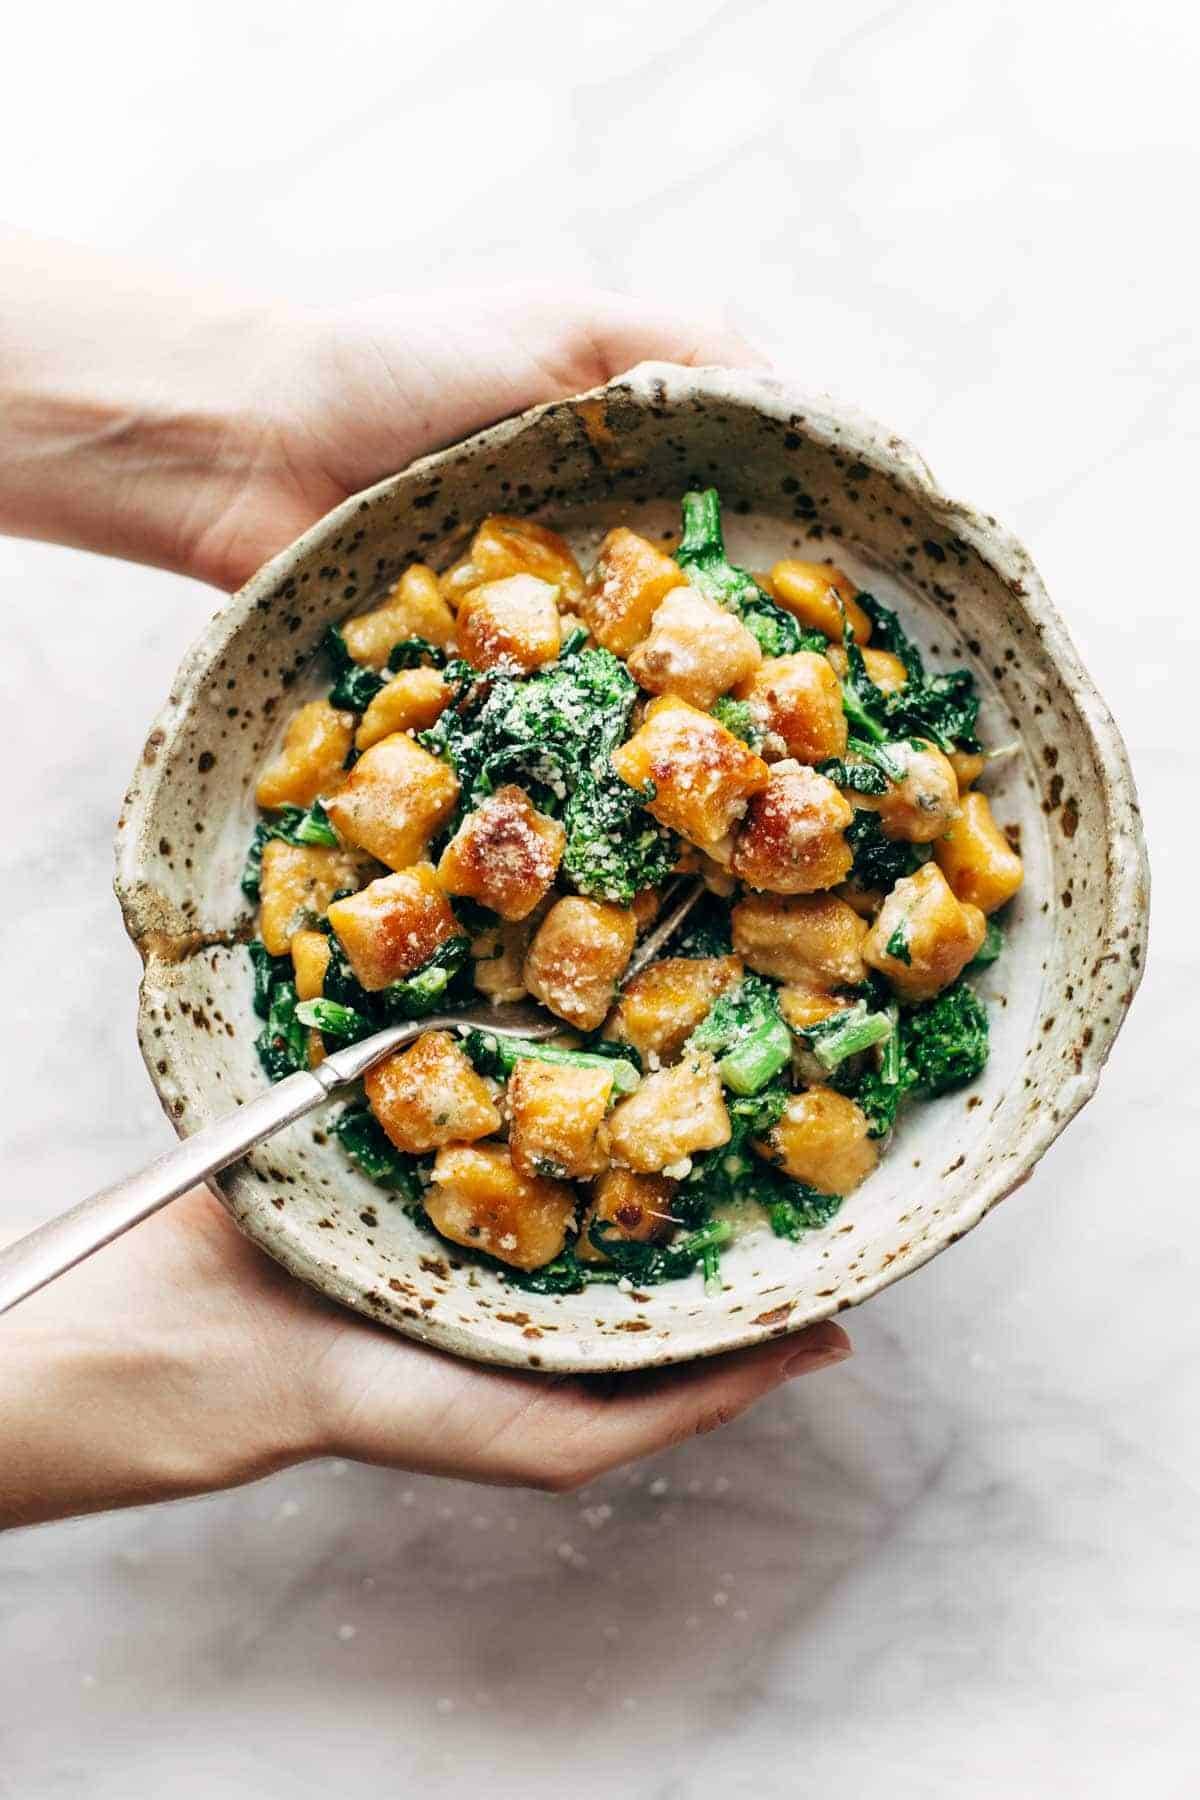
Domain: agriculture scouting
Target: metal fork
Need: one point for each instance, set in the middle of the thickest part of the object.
(43, 1255)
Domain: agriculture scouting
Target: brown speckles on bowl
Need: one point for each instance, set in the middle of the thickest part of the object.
(798, 474)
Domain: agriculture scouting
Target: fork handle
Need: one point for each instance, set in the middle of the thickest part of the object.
(58, 1245)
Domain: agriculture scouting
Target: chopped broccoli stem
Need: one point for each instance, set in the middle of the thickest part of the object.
(846, 1033)
(758, 1058)
(495, 1055)
(336, 1020)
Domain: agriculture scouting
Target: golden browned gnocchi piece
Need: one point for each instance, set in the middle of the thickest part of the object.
(297, 883)
(411, 701)
(695, 649)
(702, 775)
(924, 802)
(310, 959)
(675, 1113)
(923, 938)
(822, 1138)
(631, 579)
(477, 1199)
(505, 546)
(797, 701)
(429, 1095)
(512, 623)
(581, 950)
(637, 1208)
(662, 1006)
(883, 667)
(312, 761)
(968, 766)
(807, 940)
(816, 593)
(396, 798)
(414, 608)
(792, 841)
(392, 927)
(505, 854)
(556, 1112)
(977, 859)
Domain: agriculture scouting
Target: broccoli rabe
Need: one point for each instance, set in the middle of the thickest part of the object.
(734, 1173)
(800, 1209)
(282, 1044)
(295, 825)
(701, 556)
(991, 947)
(941, 708)
(649, 1264)
(880, 861)
(498, 1056)
(746, 1034)
(736, 716)
(354, 687)
(369, 1148)
(936, 1046)
(412, 652)
(554, 732)
(845, 1033)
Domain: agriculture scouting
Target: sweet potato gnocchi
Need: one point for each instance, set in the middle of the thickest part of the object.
(516, 759)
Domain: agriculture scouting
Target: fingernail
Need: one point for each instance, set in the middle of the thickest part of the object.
(827, 1346)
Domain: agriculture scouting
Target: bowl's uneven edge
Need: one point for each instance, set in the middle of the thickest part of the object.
(163, 935)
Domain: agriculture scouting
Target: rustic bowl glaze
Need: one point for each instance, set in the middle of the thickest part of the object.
(797, 475)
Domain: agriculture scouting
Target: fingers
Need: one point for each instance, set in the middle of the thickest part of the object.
(410, 1408)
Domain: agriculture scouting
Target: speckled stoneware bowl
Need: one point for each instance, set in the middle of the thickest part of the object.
(797, 475)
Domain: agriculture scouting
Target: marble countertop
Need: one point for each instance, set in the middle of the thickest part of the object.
(969, 1560)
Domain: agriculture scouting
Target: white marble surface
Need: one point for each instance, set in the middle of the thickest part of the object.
(969, 1561)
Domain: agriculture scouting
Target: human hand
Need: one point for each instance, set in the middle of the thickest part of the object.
(203, 433)
(181, 1359)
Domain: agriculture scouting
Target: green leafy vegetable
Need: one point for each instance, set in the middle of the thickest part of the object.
(369, 1148)
(936, 1046)
(744, 1031)
(897, 944)
(887, 633)
(334, 1019)
(736, 716)
(733, 1172)
(555, 732)
(648, 1264)
(802, 1208)
(880, 861)
(498, 1056)
(846, 1033)
(268, 970)
(354, 687)
(701, 556)
(295, 825)
(946, 1040)
(990, 948)
(412, 652)
(282, 1044)
(943, 709)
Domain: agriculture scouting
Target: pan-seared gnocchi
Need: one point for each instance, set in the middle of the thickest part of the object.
(522, 761)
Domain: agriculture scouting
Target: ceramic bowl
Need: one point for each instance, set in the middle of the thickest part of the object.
(798, 475)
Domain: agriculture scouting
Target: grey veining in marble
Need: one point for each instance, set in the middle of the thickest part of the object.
(967, 1562)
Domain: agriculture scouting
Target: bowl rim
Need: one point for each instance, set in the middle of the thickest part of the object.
(1125, 915)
